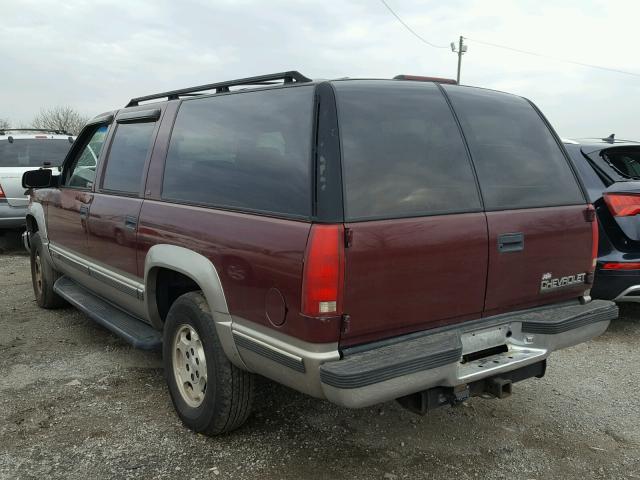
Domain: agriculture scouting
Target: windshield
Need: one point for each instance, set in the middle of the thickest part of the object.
(33, 152)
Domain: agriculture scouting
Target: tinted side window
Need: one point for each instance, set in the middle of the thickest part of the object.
(127, 155)
(249, 151)
(402, 153)
(518, 161)
(81, 172)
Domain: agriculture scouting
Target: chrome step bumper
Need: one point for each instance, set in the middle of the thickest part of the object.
(445, 358)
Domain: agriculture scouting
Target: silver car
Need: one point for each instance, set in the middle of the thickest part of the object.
(22, 150)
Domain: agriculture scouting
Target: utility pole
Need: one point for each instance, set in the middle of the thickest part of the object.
(460, 50)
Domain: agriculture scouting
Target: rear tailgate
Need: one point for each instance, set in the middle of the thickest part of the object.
(541, 238)
(413, 274)
(549, 265)
(417, 257)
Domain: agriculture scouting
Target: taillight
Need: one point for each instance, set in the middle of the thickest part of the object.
(621, 266)
(623, 204)
(2, 195)
(594, 237)
(323, 277)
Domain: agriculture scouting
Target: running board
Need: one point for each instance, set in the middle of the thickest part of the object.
(134, 331)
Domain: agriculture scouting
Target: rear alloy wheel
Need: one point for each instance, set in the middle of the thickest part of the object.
(189, 366)
(210, 394)
(43, 276)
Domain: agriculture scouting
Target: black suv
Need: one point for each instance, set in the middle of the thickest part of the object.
(610, 171)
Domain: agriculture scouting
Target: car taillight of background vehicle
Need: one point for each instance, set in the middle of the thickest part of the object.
(621, 266)
(323, 277)
(623, 204)
(2, 195)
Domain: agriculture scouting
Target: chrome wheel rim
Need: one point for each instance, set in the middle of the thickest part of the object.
(37, 273)
(189, 365)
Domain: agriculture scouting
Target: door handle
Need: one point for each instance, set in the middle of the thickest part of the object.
(511, 242)
(84, 211)
(130, 222)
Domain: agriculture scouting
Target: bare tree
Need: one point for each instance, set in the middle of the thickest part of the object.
(4, 123)
(60, 118)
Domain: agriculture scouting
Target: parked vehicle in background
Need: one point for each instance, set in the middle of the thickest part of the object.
(610, 170)
(22, 150)
(356, 240)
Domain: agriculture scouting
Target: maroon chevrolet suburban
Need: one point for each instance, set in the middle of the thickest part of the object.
(356, 240)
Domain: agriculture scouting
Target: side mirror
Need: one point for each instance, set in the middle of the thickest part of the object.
(41, 178)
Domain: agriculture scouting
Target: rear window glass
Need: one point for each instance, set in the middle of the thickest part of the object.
(248, 151)
(518, 161)
(33, 152)
(128, 152)
(625, 161)
(402, 153)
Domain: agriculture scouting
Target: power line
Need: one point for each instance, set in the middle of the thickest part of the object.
(423, 40)
(504, 47)
(557, 59)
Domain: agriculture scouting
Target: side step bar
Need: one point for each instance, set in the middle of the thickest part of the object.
(134, 331)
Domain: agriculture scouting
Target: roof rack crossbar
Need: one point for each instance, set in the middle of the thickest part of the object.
(55, 131)
(271, 79)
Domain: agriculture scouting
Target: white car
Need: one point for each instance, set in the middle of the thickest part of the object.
(22, 150)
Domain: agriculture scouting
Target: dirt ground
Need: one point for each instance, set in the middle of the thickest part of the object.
(77, 402)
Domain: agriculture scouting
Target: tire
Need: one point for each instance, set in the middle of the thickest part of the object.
(43, 276)
(222, 402)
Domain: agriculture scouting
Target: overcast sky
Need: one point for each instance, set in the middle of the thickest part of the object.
(95, 55)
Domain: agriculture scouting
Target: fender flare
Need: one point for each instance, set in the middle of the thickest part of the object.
(202, 271)
(36, 211)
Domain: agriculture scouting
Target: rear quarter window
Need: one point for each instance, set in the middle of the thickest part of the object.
(246, 151)
(402, 152)
(624, 160)
(519, 162)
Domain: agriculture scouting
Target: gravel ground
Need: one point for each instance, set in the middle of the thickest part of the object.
(77, 402)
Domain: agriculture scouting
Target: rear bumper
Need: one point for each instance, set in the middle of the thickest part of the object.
(620, 286)
(12, 217)
(442, 359)
(514, 345)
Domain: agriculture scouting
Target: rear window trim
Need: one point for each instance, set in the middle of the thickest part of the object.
(248, 211)
(537, 207)
(412, 215)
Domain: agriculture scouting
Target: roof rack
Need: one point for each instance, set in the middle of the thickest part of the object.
(272, 79)
(420, 78)
(47, 130)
